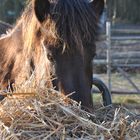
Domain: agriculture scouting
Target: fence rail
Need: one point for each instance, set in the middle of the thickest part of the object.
(122, 38)
(126, 31)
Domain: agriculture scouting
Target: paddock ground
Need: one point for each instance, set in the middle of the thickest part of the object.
(119, 83)
(130, 101)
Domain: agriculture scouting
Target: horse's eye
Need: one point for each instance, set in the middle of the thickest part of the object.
(50, 57)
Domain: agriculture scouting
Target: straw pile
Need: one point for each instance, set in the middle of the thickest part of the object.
(46, 114)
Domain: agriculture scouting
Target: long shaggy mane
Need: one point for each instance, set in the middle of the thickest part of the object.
(75, 22)
(71, 22)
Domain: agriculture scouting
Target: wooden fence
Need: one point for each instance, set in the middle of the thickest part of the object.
(120, 56)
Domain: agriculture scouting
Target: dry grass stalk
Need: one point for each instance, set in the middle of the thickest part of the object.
(49, 115)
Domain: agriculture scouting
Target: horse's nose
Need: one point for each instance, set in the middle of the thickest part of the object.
(66, 85)
(80, 89)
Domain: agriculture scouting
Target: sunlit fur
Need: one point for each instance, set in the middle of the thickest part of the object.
(22, 49)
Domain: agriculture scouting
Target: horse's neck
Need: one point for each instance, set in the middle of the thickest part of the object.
(11, 46)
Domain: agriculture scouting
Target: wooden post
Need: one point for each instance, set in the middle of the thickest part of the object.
(108, 35)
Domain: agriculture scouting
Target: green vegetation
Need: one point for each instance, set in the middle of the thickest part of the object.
(119, 99)
(121, 84)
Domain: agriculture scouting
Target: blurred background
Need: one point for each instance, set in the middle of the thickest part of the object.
(119, 11)
(11, 9)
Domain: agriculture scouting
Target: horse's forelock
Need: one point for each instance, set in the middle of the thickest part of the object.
(71, 21)
(76, 22)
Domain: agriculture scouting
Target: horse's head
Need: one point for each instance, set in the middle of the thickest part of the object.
(69, 28)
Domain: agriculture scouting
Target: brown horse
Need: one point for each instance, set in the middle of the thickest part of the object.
(53, 39)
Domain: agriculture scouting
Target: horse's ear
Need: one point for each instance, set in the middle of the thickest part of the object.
(98, 6)
(41, 9)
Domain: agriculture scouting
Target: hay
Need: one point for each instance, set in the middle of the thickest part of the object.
(45, 114)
